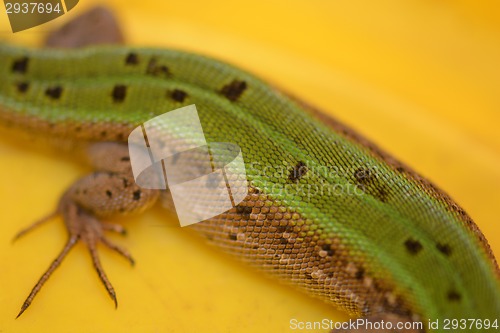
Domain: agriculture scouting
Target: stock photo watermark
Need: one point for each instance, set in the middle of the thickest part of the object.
(364, 324)
(170, 151)
(26, 14)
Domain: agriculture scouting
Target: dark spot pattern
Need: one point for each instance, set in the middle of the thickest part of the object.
(368, 181)
(156, 69)
(137, 195)
(119, 93)
(281, 228)
(178, 95)
(20, 65)
(22, 87)
(363, 176)
(298, 172)
(328, 249)
(360, 274)
(453, 296)
(125, 159)
(233, 237)
(234, 90)
(244, 210)
(413, 246)
(109, 194)
(444, 249)
(54, 92)
(132, 59)
(381, 194)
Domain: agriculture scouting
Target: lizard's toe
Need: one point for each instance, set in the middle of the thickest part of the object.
(84, 226)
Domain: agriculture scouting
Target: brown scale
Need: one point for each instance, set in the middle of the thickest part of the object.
(76, 132)
(278, 243)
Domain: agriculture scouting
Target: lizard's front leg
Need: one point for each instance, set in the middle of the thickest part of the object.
(107, 192)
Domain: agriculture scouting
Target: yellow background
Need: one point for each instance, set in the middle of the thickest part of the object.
(420, 78)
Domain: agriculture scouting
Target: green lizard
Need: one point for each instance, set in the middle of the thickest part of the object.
(326, 210)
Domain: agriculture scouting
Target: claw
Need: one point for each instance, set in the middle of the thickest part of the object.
(81, 225)
(34, 225)
(69, 245)
(102, 274)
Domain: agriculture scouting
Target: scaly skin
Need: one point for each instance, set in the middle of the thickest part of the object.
(369, 235)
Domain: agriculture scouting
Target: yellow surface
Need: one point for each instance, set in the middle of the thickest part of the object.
(420, 78)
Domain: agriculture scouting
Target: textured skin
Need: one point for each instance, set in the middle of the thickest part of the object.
(369, 235)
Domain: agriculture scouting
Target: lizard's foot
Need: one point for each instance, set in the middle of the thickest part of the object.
(107, 192)
(83, 226)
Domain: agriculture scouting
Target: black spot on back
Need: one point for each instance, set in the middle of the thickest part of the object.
(363, 175)
(137, 195)
(367, 180)
(281, 228)
(233, 237)
(328, 249)
(245, 211)
(178, 95)
(20, 65)
(125, 159)
(132, 59)
(444, 249)
(298, 172)
(413, 246)
(453, 296)
(109, 194)
(22, 87)
(156, 69)
(54, 92)
(119, 93)
(360, 273)
(233, 90)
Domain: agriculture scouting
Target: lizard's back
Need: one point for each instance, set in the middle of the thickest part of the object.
(326, 209)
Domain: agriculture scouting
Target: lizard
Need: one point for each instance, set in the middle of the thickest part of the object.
(327, 210)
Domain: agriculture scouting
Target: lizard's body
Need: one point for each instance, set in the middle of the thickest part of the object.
(389, 243)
